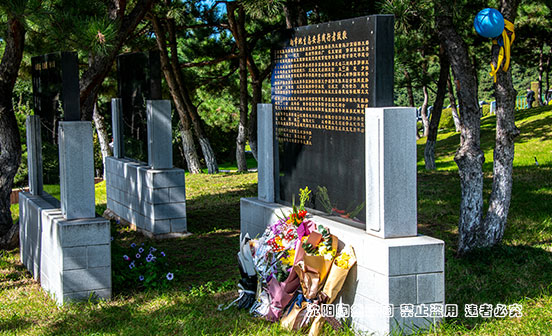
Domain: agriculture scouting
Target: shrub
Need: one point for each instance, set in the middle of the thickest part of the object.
(446, 122)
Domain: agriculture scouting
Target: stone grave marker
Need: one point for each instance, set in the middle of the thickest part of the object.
(332, 125)
(324, 77)
(138, 79)
(55, 90)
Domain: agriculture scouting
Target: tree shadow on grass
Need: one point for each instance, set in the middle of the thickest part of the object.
(217, 211)
(156, 313)
(499, 275)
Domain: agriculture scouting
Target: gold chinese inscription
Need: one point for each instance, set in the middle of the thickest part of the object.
(45, 65)
(320, 82)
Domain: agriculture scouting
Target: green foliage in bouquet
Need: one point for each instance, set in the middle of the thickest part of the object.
(326, 235)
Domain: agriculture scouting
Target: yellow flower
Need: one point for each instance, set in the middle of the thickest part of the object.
(342, 260)
(288, 261)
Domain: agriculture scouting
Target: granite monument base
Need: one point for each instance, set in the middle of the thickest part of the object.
(72, 258)
(392, 271)
(153, 200)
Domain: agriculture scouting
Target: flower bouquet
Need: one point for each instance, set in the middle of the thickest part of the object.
(336, 278)
(293, 260)
(318, 251)
(275, 256)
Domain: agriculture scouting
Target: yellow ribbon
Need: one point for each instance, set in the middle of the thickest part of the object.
(504, 53)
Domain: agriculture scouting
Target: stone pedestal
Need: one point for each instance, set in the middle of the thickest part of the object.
(71, 258)
(64, 244)
(76, 167)
(30, 228)
(152, 199)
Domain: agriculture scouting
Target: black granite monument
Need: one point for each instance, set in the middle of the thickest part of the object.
(323, 79)
(139, 79)
(55, 90)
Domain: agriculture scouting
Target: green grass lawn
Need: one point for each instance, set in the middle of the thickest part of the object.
(517, 271)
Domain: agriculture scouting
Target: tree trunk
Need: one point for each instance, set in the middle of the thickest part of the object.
(506, 131)
(10, 145)
(429, 152)
(237, 26)
(541, 69)
(190, 151)
(548, 73)
(103, 138)
(410, 93)
(453, 108)
(469, 156)
(198, 126)
(409, 90)
(423, 112)
(256, 99)
(295, 14)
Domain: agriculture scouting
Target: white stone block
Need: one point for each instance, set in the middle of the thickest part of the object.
(391, 172)
(86, 279)
(75, 258)
(431, 287)
(99, 255)
(83, 232)
(165, 178)
(179, 225)
(177, 194)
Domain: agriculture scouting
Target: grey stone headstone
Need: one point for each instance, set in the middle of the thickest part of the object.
(265, 131)
(117, 125)
(159, 134)
(76, 167)
(34, 154)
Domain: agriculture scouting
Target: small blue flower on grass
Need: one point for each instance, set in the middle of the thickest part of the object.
(131, 266)
(162, 254)
(150, 258)
(138, 255)
(140, 250)
(141, 278)
(133, 245)
(152, 249)
(170, 276)
(125, 257)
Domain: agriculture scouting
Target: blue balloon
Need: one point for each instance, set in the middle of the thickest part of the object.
(489, 23)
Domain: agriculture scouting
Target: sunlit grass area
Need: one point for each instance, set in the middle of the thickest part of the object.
(519, 271)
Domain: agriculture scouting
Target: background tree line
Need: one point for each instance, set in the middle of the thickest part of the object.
(216, 64)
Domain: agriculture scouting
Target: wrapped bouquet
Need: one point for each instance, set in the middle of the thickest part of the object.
(292, 267)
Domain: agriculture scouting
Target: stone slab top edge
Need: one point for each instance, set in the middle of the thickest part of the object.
(142, 165)
(54, 202)
(391, 242)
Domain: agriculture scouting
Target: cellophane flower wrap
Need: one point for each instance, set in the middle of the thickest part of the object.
(274, 256)
(318, 251)
(336, 278)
